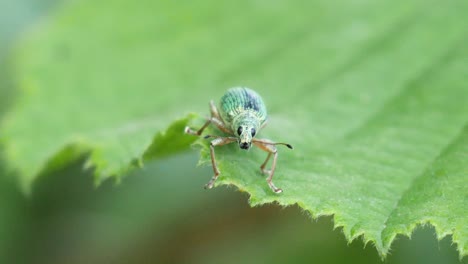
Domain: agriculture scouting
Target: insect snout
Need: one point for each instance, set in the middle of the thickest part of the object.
(244, 145)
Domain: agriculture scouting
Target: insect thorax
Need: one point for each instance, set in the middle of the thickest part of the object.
(247, 118)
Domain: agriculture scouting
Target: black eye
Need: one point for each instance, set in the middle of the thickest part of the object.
(253, 132)
(239, 131)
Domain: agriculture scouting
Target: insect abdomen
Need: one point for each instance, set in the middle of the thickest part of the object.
(238, 100)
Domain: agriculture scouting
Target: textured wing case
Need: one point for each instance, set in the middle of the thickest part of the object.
(239, 100)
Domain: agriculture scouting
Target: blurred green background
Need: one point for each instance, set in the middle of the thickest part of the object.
(161, 214)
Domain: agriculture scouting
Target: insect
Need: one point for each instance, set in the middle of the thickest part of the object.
(241, 115)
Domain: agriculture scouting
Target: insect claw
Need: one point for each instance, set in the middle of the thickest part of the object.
(188, 130)
(210, 184)
(274, 188)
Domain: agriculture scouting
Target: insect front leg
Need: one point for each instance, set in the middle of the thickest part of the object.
(272, 151)
(198, 132)
(214, 110)
(215, 119)
(218, 123)
(217, 142)
(262, 167)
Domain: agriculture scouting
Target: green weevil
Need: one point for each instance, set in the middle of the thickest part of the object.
(242, 114)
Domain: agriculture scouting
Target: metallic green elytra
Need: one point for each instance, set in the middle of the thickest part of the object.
(243, 110)
(242, 114)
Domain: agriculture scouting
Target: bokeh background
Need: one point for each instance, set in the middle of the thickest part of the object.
(161, 214)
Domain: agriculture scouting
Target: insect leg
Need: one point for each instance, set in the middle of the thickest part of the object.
(218, 123)
(271, 149)
(215, 119)
(217, 142)
(190, 131)
(214, 110)
(262, 167)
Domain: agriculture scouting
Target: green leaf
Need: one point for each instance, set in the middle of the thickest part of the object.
(372, 95)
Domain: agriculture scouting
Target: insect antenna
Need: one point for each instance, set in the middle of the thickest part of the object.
(275, 143)
(284, 144)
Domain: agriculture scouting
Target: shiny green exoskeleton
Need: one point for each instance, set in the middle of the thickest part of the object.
(242, 114)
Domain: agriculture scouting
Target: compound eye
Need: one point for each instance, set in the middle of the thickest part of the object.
(253, 132)
(239, 131)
